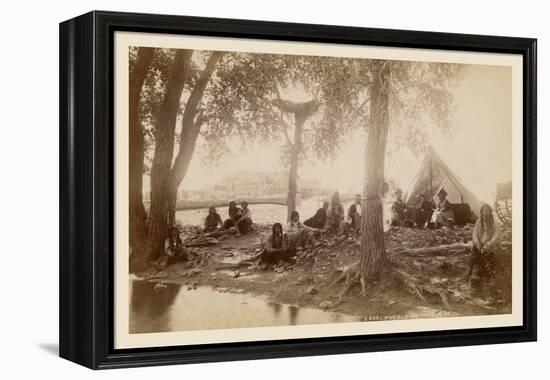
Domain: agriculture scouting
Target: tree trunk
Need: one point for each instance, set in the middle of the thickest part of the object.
(301, 112)
(295, 149)
(191, 122)
(162, 189)
(372, 228)
(172, 199)
(137, 215)
(190, 128)
(165, 177)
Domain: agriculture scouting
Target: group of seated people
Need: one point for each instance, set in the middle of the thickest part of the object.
(283, 244)
(427, 214)
(331, 216)
(239, 217)
(174, 250)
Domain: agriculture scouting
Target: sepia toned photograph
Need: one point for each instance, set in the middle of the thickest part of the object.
(306, 191)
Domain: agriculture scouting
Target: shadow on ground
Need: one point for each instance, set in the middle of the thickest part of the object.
(51, 348)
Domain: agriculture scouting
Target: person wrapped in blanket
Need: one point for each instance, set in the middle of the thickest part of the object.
(319, 219)
(442, 216)
(173, 252)
(234, 214)
(213, 220)
(276, 247)
(399, 210)
(423, 212)
(485, 238)
(299, 235)
(354, 214)
(283, 246)
(244, 224)
(335, 215)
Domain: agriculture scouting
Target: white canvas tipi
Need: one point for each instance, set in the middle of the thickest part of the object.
(435, 175)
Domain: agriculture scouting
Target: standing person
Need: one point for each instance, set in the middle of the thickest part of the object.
(299, 235)
(212, 221)
(442, 215)
(335, 216)
(244, 224)
(319, 219)
(173, 250)
(484, 237)
(354, 213)
(424, 212)
(234, 214)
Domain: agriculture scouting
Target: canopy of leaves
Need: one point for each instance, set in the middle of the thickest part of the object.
(244, 98)
(421, 95)
(240, 98)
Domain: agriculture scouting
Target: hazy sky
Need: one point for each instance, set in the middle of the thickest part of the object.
(479, 151)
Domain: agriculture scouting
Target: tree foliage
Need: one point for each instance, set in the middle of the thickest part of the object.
(250, 88)
(420, 97)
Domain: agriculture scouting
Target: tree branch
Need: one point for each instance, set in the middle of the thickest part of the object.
(190, 125)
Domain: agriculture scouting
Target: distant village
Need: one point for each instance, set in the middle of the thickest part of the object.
(250, 184)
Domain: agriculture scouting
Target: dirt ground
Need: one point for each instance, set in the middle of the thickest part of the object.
(441, 278)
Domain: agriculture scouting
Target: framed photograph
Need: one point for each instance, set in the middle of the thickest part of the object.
(236, 189)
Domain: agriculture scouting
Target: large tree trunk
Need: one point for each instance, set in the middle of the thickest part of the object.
(137, 215)
(165, 176)
(162, 190)
(372, 228)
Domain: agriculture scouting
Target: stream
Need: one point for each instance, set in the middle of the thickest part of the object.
(171, 307)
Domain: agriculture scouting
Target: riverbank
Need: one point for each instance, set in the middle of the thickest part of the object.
(312, 282)
(281, 200)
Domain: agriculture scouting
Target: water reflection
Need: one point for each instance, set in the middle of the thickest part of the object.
(293, 314)
(276, 307)
(175, 308)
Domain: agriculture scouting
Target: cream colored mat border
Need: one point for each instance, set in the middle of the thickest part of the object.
(123, 40)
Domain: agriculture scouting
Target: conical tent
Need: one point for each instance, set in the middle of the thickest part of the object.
(435, 175)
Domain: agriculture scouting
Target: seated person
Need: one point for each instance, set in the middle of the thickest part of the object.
(234, 214)
(354, 213)
(443, 215)
(319, 219)
(484, 237)
(174, 251)
(424, 212)
(335, 215)
(299, 235)
(212, 221)
(244, 224)
(276, 247)
(399, 210)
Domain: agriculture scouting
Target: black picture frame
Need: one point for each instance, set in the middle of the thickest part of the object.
(86, 189)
